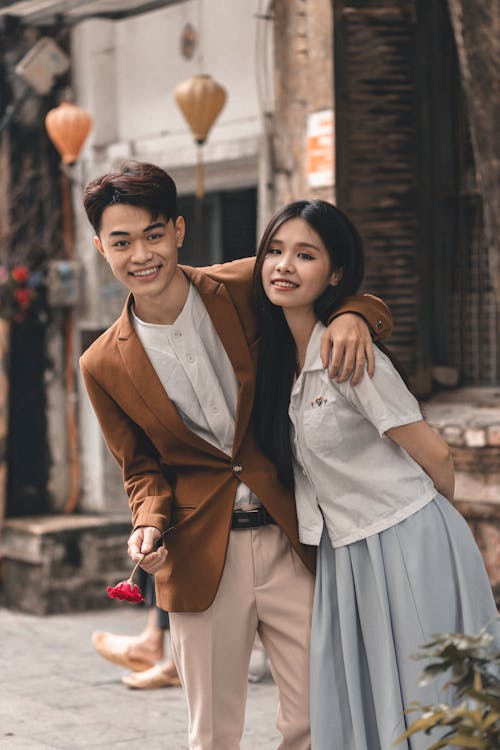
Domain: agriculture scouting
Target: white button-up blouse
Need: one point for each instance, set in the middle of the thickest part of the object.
(348, 473)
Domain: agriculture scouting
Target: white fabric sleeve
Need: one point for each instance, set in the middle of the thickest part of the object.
(383, 400)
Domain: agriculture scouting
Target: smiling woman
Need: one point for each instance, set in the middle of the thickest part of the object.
(372, 480)
(296, 270)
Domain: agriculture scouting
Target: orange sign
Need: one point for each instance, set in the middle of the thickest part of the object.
(320, 149)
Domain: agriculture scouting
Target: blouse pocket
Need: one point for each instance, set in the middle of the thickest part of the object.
(321, 428)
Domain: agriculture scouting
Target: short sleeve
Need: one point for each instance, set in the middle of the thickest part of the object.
(383, 400)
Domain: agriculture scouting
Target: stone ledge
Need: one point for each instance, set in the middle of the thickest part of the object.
(469, 421)
(62, 563)
(466, 417)
(476, 485)
(484, 521)
(26, 538)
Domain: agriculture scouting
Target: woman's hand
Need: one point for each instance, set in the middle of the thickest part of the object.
(142, 542)
(345, 347)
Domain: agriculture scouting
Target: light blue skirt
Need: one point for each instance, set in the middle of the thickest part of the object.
(376, 602)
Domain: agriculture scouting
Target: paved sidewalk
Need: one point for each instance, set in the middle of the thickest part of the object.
(56, 693)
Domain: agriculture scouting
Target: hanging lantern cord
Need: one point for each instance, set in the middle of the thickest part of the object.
(200, 170)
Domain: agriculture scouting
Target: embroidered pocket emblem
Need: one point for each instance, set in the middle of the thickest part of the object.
(318, 401)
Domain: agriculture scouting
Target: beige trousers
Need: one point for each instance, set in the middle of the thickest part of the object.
(265, 587)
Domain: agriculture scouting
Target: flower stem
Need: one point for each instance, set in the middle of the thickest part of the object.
(130, 579)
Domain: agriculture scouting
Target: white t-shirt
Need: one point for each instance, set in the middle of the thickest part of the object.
(196, 372)
(346, 470)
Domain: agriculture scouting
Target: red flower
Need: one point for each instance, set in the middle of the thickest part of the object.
(23, 296)
(20, 274)
(126, 591)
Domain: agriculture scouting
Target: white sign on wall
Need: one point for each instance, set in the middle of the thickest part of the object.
(320, 148)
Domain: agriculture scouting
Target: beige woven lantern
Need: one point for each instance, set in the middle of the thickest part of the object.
(200, 100)
(68, 125)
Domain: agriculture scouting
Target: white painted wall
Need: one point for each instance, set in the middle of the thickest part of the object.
(125, 73)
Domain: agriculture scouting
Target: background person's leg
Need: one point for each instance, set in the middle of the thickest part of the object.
(138, 652)
(164, 673)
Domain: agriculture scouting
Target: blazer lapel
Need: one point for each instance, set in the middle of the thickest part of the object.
(146, 381)
(228, 325)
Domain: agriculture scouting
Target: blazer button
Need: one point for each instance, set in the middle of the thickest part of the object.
(237, 468)
(378, 324)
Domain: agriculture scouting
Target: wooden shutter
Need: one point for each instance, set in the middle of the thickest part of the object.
(406, 175)
(378, 162)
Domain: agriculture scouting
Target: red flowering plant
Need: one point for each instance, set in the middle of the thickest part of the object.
(17, 291)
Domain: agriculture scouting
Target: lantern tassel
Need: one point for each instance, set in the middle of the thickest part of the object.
(200, 173)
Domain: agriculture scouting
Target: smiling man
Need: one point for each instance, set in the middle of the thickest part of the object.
(172, 383)
(143, 254)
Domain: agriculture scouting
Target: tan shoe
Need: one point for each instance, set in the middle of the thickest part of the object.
(116, 649)
(156, 677)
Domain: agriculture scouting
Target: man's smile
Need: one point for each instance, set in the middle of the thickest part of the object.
(146, 271)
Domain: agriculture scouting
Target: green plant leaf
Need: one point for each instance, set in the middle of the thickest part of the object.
(465, 741)
(421, 725)
(490, 720)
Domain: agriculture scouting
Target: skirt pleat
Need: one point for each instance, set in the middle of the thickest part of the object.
(376, 602)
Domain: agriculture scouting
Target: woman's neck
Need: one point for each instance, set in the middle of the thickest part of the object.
(301, 324)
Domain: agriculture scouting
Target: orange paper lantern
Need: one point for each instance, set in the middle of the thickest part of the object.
(68, 126)
(200, 100)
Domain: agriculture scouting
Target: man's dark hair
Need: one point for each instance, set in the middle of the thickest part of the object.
(136, 184)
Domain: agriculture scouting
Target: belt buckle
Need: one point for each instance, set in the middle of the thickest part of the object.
(241, 520)
(262, 515)
(258, 515)
(251, 519)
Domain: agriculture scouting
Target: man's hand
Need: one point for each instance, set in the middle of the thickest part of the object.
(141, 542)
(345, 346)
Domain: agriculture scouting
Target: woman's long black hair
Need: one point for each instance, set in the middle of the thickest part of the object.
(277, 353)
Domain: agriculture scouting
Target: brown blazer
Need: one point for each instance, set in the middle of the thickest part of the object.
(175, 480)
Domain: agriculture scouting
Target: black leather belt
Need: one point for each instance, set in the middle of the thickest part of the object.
(251, 519)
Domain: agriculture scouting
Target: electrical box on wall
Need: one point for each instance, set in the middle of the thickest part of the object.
(42, 64)
(62, 283)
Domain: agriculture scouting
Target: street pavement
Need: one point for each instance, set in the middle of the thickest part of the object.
(56, 693)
